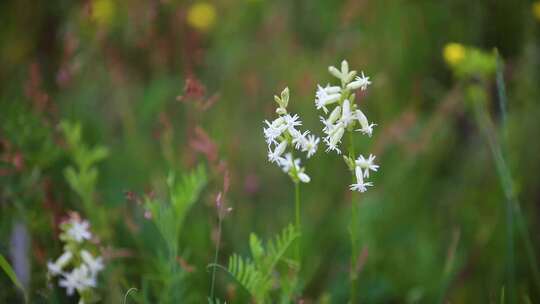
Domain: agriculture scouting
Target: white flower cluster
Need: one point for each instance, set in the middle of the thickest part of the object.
(84, 266)
(344, 117)
(282, 133)
(362, 166)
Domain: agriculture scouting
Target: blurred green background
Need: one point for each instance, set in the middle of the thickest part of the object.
(435, 226)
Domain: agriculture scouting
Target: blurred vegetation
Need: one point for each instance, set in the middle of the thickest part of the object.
(104, 102)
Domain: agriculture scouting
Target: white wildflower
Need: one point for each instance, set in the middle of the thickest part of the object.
(79, 279)
(274, 130)
(324, 97)
(343, 116)
(346, 115)
(366, 127)
(287, 163)
(282, 133)
(360, 185)
(360, 82)
(78, 230)
(310, 145)
(273, 156)
(57, 267)
(304, 178)
(95, 265)
(299, 139)
(292, 121)
(366, 164)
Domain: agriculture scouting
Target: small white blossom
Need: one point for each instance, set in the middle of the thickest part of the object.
(273, 156)
(56, 267)
(292, 121)
(324, 98)
(310, 145)
(303, 177)
(274, 130)
(367, 164)
(360, 185)
(366, 127)
(346, 115)
(79, 279)
(344, 74)
(95, 265)
(299, 139)
(360, 82)
(78, 230)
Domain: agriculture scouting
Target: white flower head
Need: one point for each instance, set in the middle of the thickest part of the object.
(78, 279)
(274, 130)
(299, 139)
(78, 230)
(343, 74)
(334, 138)
(360, 82)
(346, 115)
(366, 127)
(273, 156)
(310, 145)
(303, 177)
(56, 268)
(360, 185)
(326, 96)
(95, 264)
(366, 164)
(292, 121)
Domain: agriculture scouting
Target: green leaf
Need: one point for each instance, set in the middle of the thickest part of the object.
(247, 275)
(256, 277)
(4, 264)
(275, 249)
(257, 250)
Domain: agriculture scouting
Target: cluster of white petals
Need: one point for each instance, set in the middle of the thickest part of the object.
(76, 268)
(282, 134)
(343, 115)
(361, 169)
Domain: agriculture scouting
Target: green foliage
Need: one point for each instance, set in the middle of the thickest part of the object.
(83, 177)
(215, 301)
(256, 275)
(183, 193)
(4, 265)
(168, 217)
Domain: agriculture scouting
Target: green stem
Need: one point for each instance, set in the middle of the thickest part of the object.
(513, 208)
(216, 255)
(297, 217)
(353, 276)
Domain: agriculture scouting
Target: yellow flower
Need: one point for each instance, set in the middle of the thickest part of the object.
(453, 53)
(103, 11)
(201, 16)
(536, 10)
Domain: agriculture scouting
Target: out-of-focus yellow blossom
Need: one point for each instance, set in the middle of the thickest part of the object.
(103, 12)
(536, 10)
(453, 53)
(201, 16)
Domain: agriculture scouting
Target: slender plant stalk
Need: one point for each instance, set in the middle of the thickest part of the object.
(297, 218)
(506, 176)
(353, 276)
(216, 255)
(514, 215)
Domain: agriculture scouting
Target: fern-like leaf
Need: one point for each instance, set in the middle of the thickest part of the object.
(256, 276)
(276, 248)
(247, 275)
